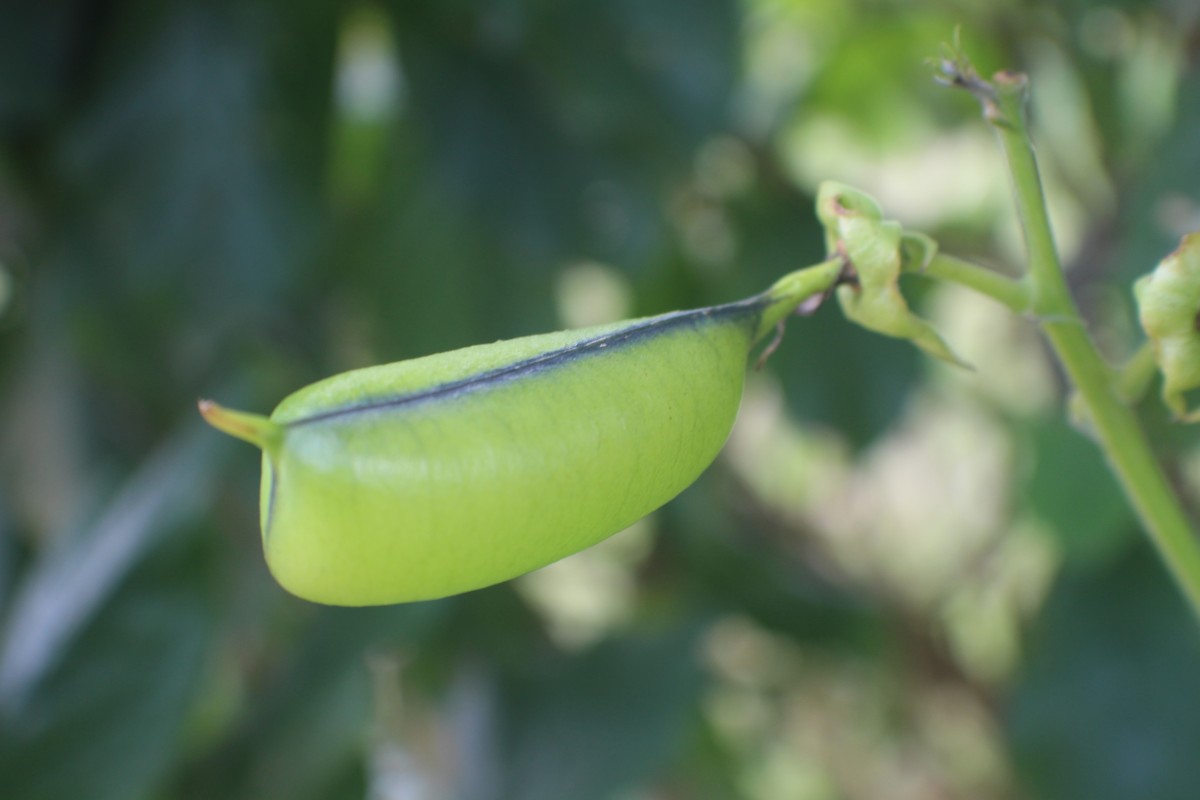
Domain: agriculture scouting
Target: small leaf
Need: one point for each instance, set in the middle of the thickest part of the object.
(878, 250)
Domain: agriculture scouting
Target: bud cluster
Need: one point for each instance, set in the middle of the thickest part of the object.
(877, 251)
(1168, 302)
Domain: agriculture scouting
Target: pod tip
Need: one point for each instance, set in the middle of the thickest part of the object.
(253, 428)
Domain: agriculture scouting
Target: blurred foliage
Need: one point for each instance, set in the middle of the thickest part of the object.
(901, 580)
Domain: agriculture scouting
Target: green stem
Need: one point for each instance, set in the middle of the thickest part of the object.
(1115, 425)
(1016, 295)
(791, 291)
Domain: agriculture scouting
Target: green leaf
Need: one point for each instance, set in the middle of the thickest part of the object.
(592, 726)
(1107, 707)
(70, 581)
(35, 62)
(303, 731)
(104, 724)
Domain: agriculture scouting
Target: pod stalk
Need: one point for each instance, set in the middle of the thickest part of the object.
(791, 291)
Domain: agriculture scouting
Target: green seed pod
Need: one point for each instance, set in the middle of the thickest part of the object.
(1168, 302)
(451, 472)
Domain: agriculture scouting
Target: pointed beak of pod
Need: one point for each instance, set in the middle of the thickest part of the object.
(254, 428)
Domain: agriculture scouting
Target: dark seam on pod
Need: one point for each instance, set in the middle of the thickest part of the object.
(271, 502)
(599, 344)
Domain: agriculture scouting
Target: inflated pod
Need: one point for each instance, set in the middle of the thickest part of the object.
(451, 472)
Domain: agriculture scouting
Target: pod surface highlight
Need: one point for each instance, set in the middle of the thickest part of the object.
(447, 473)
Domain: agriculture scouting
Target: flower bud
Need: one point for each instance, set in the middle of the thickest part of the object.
(1168, 301)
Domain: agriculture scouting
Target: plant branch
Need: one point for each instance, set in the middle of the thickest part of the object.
(1013, 294)
(1116, 427)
